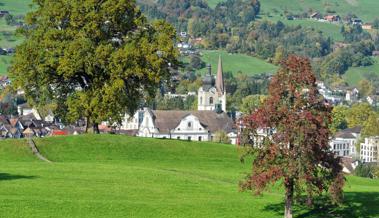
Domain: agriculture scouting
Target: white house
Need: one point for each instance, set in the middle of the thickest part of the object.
(352, 95)
(369, 149)
(186, 125)
(344, 142)
(132, 123)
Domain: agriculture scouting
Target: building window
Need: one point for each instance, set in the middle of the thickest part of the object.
(201, 100)
(200, 138)
(189, 138)
(211, 100)
(189, 124)
(178, 137)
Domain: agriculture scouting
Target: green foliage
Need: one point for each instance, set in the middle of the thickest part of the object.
(94, 59)
(196, 62)
(221, 137)
(251, 103)
(359, 114)
(371, 126)
(366, 170)
(339, 118)
(10, 19)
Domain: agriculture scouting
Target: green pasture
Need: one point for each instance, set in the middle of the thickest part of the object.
(118, 176)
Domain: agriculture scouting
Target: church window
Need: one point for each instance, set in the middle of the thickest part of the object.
(211, 100)
(201, 100)
(189, 124)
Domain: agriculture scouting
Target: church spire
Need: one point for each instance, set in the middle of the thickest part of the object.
(220, 78)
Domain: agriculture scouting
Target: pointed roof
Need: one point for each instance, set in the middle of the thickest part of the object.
(220, 78)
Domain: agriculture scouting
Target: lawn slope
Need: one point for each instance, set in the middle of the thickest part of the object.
(118, 176)
(236, 62)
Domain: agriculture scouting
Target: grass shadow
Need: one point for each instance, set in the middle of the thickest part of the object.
(7, 176)
(356, 204)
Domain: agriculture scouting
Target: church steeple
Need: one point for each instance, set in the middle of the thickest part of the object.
(220, 78)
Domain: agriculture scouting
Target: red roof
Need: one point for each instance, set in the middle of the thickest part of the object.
(59, 132)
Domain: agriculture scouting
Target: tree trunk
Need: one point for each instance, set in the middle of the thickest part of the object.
(96, 128)
(87, 124)
(289, 198)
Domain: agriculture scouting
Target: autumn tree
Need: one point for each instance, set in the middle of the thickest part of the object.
(92, 59)
(296, 149)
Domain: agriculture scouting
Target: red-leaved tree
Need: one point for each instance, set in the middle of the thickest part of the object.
(295, 148)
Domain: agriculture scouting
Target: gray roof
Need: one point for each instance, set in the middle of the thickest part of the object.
(168, 120)
(348, 133)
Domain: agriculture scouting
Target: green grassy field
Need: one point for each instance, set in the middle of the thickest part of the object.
(355, 74)
(330, 30)
(117, 176)
(237, 62)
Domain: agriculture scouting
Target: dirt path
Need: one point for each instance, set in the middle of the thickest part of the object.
(35, 150)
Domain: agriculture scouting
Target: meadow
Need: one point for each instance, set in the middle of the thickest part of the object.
(355, 74)
(236, 62)
(118, 176)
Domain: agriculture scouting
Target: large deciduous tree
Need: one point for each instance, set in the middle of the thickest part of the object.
(93, 59)
(296, 149)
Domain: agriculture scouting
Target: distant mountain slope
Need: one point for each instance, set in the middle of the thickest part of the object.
(365, 9)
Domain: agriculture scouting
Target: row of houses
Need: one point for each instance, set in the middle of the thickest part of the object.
(335, 18)
(347, 95)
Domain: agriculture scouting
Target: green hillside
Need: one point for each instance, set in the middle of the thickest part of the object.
(365, 9)
(117, 176)
(355, 74)
(237, 62)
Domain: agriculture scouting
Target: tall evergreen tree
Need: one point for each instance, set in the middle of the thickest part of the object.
(297, 152)
(92, 59)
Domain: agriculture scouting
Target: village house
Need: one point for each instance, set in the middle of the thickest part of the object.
(356, 21)
(3, 13)
(369, 149)
(186, 125)
(332, 18)
(315, 16)
(352, 95)
(344, 142)
(367, 26)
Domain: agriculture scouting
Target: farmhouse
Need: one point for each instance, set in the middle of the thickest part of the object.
(332, 18)
(3, 13)
(186, 125)
(367, 26)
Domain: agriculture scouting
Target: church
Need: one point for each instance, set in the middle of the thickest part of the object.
(212, 94)
(200, 125)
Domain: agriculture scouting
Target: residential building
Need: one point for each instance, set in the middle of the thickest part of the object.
(186, 125)
(344, 142)
(369, 149)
